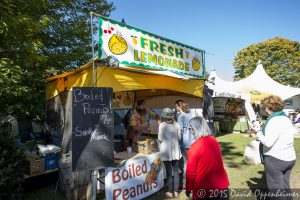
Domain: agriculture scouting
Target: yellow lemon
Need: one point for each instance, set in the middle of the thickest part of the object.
(117, 45)
(187, 55)
(196, 64)
(134, 41)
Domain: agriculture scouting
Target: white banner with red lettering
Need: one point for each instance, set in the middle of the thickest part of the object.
(137, 179)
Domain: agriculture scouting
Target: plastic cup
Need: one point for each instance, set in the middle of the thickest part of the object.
(129, 150)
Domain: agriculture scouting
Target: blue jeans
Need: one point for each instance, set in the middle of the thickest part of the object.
(172, 166)
(182, 165)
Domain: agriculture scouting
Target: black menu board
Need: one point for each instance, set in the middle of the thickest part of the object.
(92, 128)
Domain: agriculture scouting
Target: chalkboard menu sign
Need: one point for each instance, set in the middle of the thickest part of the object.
(92, 128)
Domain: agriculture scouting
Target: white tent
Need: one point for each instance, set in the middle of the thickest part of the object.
(258, 81)
(254, 88)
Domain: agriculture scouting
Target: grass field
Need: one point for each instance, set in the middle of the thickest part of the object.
(241, 176)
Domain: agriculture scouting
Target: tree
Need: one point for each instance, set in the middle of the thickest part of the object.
(39, 39)
(11, 166)
(280, 58)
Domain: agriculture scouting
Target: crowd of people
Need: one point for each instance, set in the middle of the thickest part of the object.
(192, 156)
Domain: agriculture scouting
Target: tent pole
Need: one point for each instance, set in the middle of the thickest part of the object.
(94, 184)
(94, 172)
(93, 50)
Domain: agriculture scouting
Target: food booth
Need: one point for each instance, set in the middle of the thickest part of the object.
(230, 114)
(251, 91)
(149, 67)
(232, 108)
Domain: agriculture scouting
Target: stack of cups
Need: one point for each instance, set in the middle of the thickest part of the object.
(129, 150)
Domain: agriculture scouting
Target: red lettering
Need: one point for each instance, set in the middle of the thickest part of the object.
(138, 170)
(115, 176)
(139, 189)
(132, 192)
(116, 193)
(129, 170)
(125, 175)
(133, 170)
(144, 167)
(125, 194)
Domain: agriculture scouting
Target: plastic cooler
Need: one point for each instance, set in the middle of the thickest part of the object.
(51, 154)
(51, 161)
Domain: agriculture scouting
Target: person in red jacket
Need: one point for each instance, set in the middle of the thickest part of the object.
(206, 177)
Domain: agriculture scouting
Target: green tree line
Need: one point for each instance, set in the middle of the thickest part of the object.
(280, 58)
(39, 39)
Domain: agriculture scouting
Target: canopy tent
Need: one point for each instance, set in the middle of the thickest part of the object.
(145, 83)
(160, 83)
(257, 85)
(253, 89)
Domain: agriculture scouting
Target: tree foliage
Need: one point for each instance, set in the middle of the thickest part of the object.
(39, 39)
(280, 58)
(11, 167)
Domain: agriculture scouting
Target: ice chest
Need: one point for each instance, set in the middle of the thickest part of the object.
(51, 161)
(34, 165)
(145, 145)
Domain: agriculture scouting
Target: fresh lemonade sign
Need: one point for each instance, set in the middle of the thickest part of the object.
(137, 48)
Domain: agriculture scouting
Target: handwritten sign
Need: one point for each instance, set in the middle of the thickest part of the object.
(131, 181)
(92, 128)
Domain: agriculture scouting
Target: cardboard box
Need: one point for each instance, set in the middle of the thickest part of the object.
(34, 165)
(145, 145)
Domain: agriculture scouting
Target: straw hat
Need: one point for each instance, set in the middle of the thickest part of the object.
(167, 113)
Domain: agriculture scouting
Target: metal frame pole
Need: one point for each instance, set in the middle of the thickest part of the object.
(94, 184)
(94, 172)
(93, 50)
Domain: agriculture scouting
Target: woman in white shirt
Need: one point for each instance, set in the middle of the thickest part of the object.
(169, 135)
(277, 139)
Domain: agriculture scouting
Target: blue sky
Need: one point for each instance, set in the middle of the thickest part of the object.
(219, 27)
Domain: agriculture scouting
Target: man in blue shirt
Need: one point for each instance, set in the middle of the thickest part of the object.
(183, 118)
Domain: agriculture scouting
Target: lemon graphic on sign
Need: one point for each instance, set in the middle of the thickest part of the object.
(187, 54)
(196, 64)
(117, 45)
(134, 41)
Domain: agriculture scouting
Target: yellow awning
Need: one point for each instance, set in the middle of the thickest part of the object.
(122, 80)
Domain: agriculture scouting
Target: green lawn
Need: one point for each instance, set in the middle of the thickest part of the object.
(248, 176)
(241, 176)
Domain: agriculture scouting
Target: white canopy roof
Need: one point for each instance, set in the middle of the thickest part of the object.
(258, 85)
